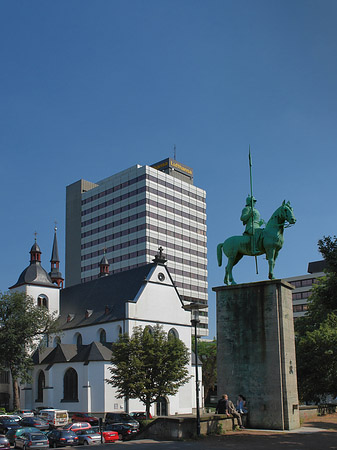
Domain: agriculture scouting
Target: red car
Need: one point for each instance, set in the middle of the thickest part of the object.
(108, 436)
(77, 426)
(84, 417)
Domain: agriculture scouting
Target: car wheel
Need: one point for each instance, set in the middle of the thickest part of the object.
(86, 443)
(120, 437)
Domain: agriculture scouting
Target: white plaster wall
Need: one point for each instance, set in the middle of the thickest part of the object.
(33, 291)
(91, 333)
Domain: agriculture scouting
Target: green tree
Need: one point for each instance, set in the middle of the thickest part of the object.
(207, 352)
(316, 333)
(148, 365)
(22, 326)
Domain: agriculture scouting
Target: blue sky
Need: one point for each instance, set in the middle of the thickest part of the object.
(89, 88)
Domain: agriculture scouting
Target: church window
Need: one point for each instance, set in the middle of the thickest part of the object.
(42, 301)
(102, 337)
(148, 329)
(173, 334)
(70, 386)
(41, 382)
(77, 339)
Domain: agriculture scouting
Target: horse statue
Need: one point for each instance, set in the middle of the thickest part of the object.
(267, 241)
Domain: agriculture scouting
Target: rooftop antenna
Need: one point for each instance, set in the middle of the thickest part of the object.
(174, 152)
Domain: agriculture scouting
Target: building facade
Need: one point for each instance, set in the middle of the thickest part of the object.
(70, 371)
(303, 285)
(127, 216)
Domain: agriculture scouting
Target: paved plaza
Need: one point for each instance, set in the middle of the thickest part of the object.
(319, 433)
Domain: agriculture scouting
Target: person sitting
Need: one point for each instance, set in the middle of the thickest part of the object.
(241, 405)
(226, 406)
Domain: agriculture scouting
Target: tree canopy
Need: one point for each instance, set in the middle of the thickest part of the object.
(148, 365)
(316, 333)
(207, 353)
(22, 326)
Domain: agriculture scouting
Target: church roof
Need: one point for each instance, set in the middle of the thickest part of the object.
(34, 274)
(105, 296)
(96, 351)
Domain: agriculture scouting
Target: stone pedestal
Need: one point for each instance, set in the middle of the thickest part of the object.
(256, 351)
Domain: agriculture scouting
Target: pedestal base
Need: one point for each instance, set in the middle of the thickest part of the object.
(256, 351)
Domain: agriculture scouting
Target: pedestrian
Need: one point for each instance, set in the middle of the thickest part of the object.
(226, 406)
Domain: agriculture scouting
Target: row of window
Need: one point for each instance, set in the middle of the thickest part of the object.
(116, 223)
(116, 259)
(138, 191)
(4, 377)
(177, 212)
(301, 295)
(303, 283)
(150, 227)
(141, 178)
(114, 212)
(180, 248)
(300, 308)
(117, 235)
(139, 215)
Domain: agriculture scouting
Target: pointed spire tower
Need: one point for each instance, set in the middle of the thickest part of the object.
(104, 266)
(55, 273)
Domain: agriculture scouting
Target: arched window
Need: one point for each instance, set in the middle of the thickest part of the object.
(41, 382)
(57, 341)
(119, 330)
(173, 334)
(148, 329)
(77, 339)
(42, 301)
(102, 336)
(70, 386)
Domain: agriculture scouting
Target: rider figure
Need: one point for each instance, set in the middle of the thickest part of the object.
(250, 217)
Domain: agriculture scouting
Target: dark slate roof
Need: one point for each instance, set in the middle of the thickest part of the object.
(71, 353)
(105, 296)
(34, 274)
(317, 266)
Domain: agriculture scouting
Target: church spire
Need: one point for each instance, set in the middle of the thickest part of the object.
(104, 266)
(54, 273)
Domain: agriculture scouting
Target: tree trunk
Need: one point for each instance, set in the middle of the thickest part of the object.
(16, 396)
(148, 405)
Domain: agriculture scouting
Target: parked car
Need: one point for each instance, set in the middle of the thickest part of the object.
(123, 418)
(25, 413)
(54, 417)
(36, 422)
(108, 435)
(31, 440)
(124, 431)
(77, 426)
(16, 417)
(84, 417)
(16, 432)
(88, 437)
(62, 438)
(140, 415)
(6, 423)
(4, 443)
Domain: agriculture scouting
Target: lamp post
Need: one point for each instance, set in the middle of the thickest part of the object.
(194, 309)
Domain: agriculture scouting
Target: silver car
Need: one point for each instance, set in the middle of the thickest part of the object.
(31, 440)
(88, 437)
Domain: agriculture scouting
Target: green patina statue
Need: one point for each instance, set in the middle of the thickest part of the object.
(256, 240)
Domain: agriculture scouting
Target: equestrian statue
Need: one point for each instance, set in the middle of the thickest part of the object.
(255, 239)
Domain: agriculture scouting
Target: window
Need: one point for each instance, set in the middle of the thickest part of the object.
(70, 386)
(77, 339)
(102, 337)
(148, 329)
(42, 301)
(173, 334)
(41, 382)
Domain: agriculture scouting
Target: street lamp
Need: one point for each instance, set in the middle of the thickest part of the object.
(195, 308)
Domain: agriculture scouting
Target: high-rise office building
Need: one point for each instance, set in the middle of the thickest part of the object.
(127, 216)
(303, 285)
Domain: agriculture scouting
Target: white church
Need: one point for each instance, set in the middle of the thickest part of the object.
(70, 372)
